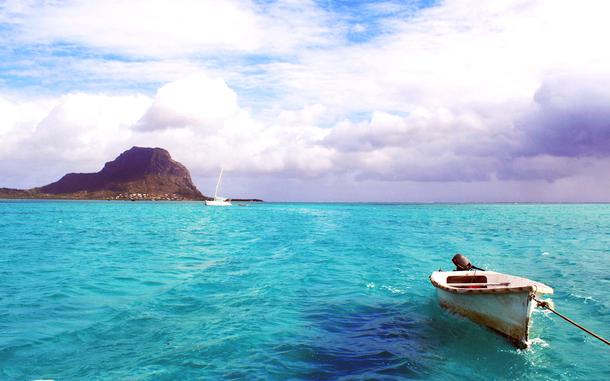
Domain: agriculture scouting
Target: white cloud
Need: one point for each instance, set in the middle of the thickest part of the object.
(18, 123)
(309, 115)
(196, 101)
(166, 29)
(151, 28)
(74, 133)
(200, 116)
(22, 117)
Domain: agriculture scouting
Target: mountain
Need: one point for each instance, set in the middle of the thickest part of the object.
(144, 171)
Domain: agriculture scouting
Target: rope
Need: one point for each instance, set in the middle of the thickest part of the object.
(546, 305)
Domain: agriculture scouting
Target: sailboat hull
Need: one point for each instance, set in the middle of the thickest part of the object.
(218, 203)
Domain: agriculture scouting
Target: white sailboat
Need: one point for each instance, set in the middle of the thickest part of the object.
(218, 201)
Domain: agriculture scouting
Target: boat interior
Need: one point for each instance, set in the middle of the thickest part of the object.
(484, 279)
(467, 276)
(473, 281)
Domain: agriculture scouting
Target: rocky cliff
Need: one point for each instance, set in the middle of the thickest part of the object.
(136, 171)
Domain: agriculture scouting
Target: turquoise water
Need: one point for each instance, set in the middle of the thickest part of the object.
(274, 291)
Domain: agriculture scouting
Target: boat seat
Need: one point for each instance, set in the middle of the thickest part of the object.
(480, 285)
(466, 279)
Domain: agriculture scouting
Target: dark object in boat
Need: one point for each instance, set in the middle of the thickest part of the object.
(463, 264)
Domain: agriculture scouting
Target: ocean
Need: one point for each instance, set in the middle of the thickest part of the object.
(113, 290)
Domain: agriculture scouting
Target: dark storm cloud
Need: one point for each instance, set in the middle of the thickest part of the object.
(572, 119)
(566, 130)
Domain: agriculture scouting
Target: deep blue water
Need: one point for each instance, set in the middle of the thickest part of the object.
(279, 291)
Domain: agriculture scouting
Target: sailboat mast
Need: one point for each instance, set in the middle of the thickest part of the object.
(218, 184)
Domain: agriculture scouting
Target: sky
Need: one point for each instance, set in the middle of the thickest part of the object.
(329, 101)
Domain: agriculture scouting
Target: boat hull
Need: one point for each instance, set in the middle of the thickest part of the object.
(218, 203)
(503, 304)
(508, 314)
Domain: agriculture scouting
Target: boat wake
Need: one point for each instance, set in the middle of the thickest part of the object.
(538, 342)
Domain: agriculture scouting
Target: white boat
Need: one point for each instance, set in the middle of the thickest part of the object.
(499, 301)
(218, 201)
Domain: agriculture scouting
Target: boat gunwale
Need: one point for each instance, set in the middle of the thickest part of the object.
(537, 287)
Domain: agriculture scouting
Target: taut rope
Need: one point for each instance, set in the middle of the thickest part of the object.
(546, 305)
